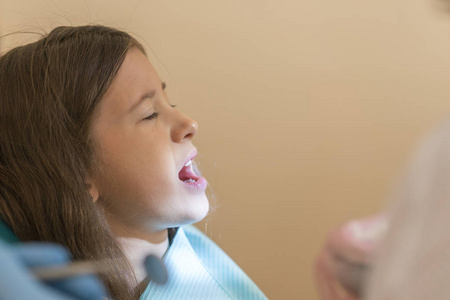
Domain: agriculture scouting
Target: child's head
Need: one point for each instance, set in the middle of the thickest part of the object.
(143, 144)
(80, 153)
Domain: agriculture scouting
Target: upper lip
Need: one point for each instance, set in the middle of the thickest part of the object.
(189, 157)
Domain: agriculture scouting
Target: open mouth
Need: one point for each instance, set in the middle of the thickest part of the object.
(190, 175)
(187, 173)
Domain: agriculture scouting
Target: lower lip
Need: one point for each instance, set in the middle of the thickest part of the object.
(200, 184)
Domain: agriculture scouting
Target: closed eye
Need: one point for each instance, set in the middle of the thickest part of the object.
(152, 116)
(164, 86)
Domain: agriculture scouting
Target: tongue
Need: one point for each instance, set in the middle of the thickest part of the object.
(187, 173)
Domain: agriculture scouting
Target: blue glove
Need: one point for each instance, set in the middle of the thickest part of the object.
(17, 283)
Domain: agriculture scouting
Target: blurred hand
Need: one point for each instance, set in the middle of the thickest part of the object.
(16, 281)
(343, 263)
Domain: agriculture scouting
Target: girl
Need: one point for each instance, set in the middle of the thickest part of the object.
(94, 157)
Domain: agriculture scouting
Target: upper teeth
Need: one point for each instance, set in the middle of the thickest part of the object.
(188, 163)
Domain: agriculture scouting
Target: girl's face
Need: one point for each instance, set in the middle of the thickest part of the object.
(144, 145)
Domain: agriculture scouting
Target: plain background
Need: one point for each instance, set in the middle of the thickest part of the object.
(307, 109)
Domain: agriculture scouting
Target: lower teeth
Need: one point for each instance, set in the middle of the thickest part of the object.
(190, 180)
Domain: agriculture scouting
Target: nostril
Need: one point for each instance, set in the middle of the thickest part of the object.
(183, 129)
(189, 136)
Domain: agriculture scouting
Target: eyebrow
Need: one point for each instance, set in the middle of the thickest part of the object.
(148, 95)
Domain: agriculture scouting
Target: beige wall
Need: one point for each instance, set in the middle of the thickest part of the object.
(306, 108)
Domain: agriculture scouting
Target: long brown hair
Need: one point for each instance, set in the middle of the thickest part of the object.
(49, 92)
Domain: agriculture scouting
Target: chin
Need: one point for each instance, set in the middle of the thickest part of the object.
(200, 210)
(195, 213)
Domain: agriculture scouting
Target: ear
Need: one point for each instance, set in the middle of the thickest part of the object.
(92, 188)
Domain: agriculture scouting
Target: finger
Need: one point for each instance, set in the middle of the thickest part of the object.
(40, 254)
(356, 240)
(86, 287)
(17, 283)
(322, 279)
(326, 281)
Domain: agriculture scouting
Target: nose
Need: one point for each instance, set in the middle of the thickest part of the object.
(183, 128)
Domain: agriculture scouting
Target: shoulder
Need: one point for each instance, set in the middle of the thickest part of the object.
(221, 267)
(199, 269)
(198, 239)
(204, 247)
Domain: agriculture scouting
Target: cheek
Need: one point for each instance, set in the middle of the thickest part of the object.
(130, 159)
(137, 178)
(130, 180)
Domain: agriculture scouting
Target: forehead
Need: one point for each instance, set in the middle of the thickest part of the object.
(135, 77)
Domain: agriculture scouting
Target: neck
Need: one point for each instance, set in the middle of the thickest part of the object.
(137, 244)
(136, 250)
(127, 231)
